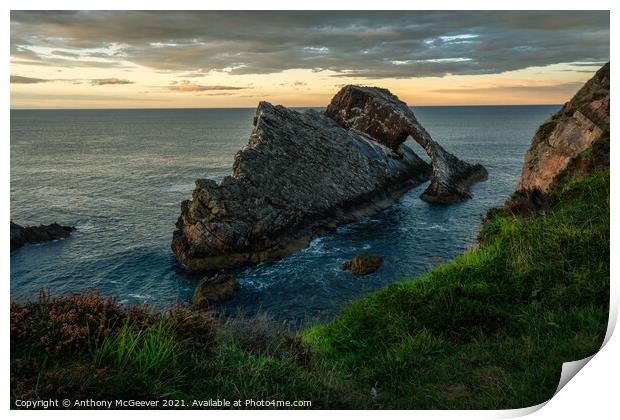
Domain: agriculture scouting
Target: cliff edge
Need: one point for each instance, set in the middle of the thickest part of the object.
(576, 127)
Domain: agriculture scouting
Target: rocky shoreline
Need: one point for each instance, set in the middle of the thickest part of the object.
(21, 235)
(304, 173)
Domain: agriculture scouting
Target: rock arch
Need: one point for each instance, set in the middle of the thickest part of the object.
(387, 120)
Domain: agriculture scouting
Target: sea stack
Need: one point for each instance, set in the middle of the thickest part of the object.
(303, 174)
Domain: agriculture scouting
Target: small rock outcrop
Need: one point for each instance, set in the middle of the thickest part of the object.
(304, 173)
(21, 235)
(214, 289)
(363, 264)
(576, 127)
(380, 114)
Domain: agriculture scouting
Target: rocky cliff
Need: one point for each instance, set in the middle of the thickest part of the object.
(576, 127)
(304, 173)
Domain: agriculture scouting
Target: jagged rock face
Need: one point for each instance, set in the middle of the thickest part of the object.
(35, 234)
(452, 178)
(389, 121)
(376, 112)
(301, 174)
(580, 123)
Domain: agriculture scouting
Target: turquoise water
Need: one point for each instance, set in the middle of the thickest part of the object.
(119, 176)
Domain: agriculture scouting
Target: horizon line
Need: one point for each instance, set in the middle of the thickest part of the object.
(242, 107)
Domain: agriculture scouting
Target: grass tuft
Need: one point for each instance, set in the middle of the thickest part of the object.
(153, 349)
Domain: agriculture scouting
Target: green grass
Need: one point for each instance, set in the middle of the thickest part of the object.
(153, 349)
(489, 329)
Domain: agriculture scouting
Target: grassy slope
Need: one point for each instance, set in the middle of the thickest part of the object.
(491, 328)
(487, 330)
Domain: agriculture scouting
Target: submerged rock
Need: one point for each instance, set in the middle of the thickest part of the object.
(214, 289)
(389, 121)
(304, 173)
(21, 235)
(363, 264)
(576, 127)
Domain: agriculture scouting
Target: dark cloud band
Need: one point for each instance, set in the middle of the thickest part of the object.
(187, 86)
(16, 79)
(26, 80)
(372, 44)
(110, 81)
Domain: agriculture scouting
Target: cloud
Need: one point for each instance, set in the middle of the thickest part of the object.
(65, 54)
(26, 80)
(43, 98)
(110, 81)
(364, 44)
(63, 62)
(192, 75)
(23, 53)
(296, 84)
(595, 65)
(95, 82)
(187, 86)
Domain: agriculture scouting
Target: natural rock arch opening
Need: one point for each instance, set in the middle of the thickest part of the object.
(389, 121)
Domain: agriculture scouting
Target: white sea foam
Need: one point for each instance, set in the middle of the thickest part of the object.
(180, 188)
(143, 297)
(316, 246)
(85, 225)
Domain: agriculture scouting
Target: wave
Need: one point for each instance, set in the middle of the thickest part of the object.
(137, 296)
(181, 188)
(85, 225)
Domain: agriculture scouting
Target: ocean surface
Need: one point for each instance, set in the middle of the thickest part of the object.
(119, 177)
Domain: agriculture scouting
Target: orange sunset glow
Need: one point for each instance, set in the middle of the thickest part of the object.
(224, 59)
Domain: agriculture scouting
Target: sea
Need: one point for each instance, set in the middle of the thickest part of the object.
(119, 177)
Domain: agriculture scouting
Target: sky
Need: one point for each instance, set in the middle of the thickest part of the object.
(213, 59)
